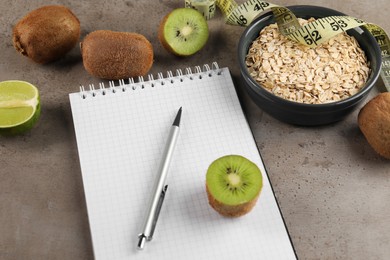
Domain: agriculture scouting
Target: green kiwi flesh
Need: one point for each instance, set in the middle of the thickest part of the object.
(184, 31)
(232, 181)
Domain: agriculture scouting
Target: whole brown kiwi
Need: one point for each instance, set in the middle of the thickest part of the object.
(374, 122)
(116, 55)
(47, 33)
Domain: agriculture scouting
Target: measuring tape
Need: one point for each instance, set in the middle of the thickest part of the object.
(311, 34)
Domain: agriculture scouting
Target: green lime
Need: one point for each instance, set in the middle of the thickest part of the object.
(19, 106)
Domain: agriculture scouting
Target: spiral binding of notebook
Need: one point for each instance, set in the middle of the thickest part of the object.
(170, 78)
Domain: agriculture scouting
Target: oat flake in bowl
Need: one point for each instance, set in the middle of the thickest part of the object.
(332, 71)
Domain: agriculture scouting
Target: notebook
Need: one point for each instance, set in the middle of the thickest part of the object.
(121, 130)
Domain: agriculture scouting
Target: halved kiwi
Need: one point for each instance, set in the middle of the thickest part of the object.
(184, 31)
(233, 185)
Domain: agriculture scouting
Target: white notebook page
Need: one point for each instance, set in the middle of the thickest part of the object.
(120, 138)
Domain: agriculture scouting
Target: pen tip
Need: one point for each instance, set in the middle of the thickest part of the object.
(177, 119)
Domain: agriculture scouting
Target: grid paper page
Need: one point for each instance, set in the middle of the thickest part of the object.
(120, 138)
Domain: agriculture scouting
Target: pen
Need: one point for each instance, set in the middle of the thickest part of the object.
(159, 188)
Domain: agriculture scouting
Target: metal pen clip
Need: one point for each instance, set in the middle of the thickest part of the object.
(159, 205)
(142, 237)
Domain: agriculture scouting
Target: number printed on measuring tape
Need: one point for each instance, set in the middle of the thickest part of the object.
(323, 29)
(311, 34)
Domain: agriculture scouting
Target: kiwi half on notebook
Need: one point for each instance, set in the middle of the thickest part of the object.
(233, 185)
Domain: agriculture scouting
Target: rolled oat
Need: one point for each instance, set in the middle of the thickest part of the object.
(332, 71)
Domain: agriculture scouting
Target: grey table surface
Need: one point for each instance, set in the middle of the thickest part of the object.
(332, 188)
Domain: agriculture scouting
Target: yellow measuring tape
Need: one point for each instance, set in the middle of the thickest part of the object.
(311, 34)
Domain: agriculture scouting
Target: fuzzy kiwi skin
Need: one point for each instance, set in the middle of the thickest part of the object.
(161, 36)
(231, 210)
(116, 55)
(47, 33)
(374, 122)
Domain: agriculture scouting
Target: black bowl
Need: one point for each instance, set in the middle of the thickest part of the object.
(300, 113)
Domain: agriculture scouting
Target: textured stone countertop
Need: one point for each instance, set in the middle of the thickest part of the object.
(332, 188)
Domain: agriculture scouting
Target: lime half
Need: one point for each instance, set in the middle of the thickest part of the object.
(19, 106)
